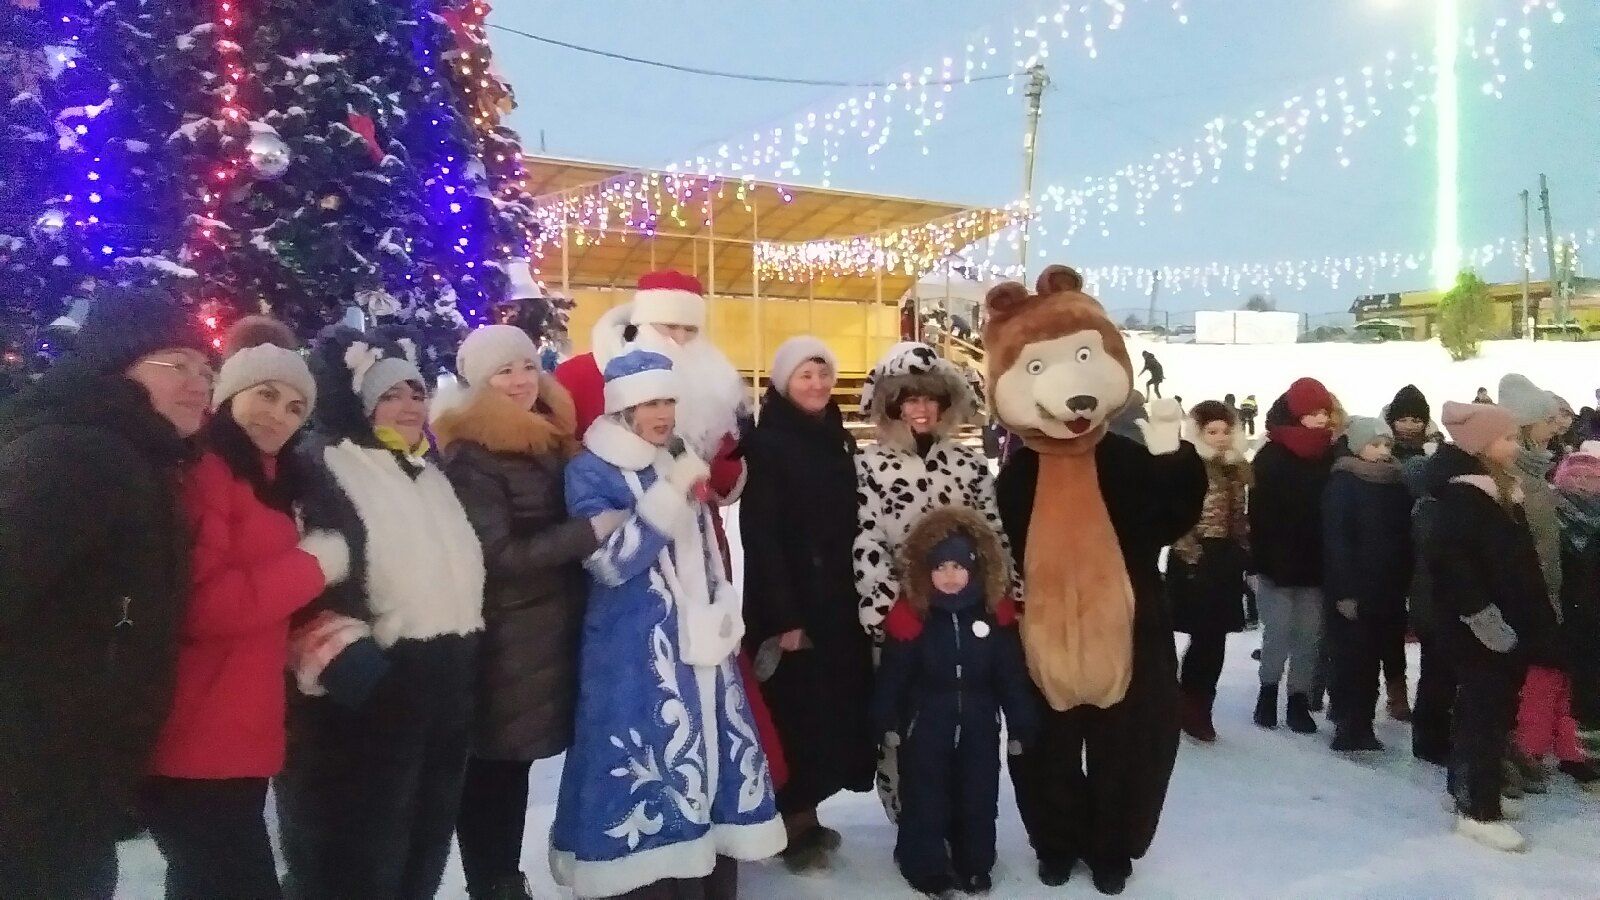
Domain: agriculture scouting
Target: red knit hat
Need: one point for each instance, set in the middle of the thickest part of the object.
(1307, 396)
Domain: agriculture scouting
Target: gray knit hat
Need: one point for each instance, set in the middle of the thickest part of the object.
(262, 349)
(1527, 402)
(1364, 430)
(384, 374)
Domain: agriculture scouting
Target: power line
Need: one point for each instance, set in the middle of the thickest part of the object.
(738, 76)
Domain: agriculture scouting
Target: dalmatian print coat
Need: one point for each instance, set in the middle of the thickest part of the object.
(896, 485)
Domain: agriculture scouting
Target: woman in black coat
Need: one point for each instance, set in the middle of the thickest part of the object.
(798, 521)
(93, 583)
(505, 451)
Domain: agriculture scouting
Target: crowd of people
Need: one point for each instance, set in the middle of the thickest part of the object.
(299, 570)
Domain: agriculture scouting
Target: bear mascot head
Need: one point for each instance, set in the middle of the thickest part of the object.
(1058, 373)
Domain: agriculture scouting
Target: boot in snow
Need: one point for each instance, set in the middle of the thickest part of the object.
(1055, 872)
(942, 886)
(1511, 781)
(1590, 739)
(1194, 712)
(1298, 715)
(1315, 702)
(976, 885)
(510, 887)
(1535, 777)
(1399, 705)
(1267, 706)
(1352, 737)
(1495, 835)
(1111, 876)
(1585, 774)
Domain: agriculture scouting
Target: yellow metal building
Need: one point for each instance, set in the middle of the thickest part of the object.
(1420, 309)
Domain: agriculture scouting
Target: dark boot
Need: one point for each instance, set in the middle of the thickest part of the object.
(1111, 876)
(1055, 872)
(1195, 716)
(1267, 706)
(1353, 737)
(1298, 715)
(511, 887)
(1399, 705)
(976, 885)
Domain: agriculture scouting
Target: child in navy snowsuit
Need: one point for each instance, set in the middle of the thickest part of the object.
(952, 661)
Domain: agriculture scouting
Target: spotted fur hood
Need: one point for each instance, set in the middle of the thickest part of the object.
(936, 526)
(914, 367)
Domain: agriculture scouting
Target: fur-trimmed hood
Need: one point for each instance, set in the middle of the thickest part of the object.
(492, 421)
(934, 527)
(1234, 455)
(916, 367)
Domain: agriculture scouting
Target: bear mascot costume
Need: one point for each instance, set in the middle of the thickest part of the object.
(1087, 512)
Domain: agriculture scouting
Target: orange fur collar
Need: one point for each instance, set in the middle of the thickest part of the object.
(499, 426)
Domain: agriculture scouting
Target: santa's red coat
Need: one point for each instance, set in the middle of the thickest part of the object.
(581, 376)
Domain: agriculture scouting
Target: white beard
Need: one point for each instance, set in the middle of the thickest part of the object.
(711, 394)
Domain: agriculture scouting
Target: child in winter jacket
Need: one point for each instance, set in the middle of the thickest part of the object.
(1291, 470)
(1205, 571)
(1366, 511)
(951, 662)
(1489, 604)
(1577, 482)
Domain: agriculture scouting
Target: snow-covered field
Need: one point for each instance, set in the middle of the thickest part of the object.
(1258, 814)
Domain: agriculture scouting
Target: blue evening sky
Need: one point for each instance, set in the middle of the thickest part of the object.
(1155, 83)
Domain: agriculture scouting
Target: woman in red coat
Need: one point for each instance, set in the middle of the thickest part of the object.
(250, 571)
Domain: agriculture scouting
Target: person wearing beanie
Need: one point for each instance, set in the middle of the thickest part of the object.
(505, 450)
(1410, 418)
(952, 663)
(92, 557)
(383, 664)
(917, 401)
(1286, 534)
(251, 571)
(1577, 481)
(658, 665)
(797, 520)
(1248, 409)
(1205, 570)
(1367, 559)
(1489, 605)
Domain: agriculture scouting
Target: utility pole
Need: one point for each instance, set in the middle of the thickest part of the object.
(1522, 329)
(1550, 250)
(1155, 289)
(1037, 82)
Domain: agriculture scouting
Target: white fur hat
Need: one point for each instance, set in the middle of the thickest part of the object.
(792, 354)
(669, 298)
(490, 348)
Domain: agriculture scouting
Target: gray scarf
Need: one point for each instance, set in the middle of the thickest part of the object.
(1536, 461)
(1386, 472)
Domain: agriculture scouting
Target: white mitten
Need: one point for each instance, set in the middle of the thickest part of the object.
(1163, 430)
(687, 470)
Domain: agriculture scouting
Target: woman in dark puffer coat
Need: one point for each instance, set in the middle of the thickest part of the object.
(505, 451)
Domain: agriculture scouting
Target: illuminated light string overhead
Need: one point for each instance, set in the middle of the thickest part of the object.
(911, 250)
(919, 95)
(1232, 279)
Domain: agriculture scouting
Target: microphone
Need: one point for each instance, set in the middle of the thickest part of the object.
(701, 491)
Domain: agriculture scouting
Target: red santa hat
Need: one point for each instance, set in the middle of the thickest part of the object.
(669, 298)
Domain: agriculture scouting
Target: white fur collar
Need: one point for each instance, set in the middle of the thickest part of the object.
(1232, 456)
(1486, 484)
(606, 338)
(613, 442)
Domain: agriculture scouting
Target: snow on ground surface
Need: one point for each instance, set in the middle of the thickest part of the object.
(1258, 814)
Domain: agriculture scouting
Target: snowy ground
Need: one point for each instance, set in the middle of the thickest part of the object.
(1258, 814)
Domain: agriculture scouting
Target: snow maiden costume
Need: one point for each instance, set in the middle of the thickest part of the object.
(1094, 509)
(666, 773)
(386, 661)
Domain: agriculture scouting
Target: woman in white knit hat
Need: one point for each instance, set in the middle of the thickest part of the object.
(251, 571)
(505, 449)
(797, 520)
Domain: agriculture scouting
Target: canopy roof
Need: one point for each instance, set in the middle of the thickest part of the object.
(621, 222)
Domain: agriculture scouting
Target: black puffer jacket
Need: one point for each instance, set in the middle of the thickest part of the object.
(1481, 553)
(507, 466)
(1286, 508)
(1367, 538)
(93, 578)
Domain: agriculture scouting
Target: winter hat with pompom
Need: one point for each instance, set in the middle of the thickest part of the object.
(262, 349)
(1527, 402)
(1474, 426)
(1364, 430)
(489, 349)
(1580, 471)
(794, 353)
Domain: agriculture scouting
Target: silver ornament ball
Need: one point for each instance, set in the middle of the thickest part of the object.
(269, 155)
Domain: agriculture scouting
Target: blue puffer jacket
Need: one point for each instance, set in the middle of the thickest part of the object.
(1367, 553)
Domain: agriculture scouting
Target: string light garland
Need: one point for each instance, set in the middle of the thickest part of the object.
(1333, 272)
(911, 251)
(219, 178)
(83, 131)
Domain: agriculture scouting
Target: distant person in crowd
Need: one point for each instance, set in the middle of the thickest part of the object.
(952, 662)
(94, 578)
(1410, 420)
(1232, 403)
(505, 450)
(1367, 560)
(250, 572)
(1291, 471)
(1247, 414)
(1490, 604)
(797, 520)
(917, 401)
(1205, 570)
(1155, 375)
(1483, 396)
(1577, 480)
